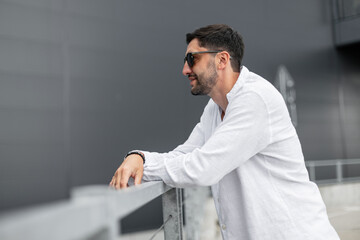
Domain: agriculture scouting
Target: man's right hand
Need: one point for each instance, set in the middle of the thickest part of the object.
(132, 166)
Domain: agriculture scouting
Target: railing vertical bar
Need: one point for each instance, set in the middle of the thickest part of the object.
(195, 197)
(172, 211)
(312, 172)
(339, 175)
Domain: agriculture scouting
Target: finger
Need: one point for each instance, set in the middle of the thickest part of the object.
(125, 178)
(117, 178)
(138, 177)
(111, 184)
(112, 180)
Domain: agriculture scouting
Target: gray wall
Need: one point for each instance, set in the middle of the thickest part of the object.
(82, 82)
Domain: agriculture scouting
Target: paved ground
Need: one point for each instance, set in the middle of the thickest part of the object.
(346, 221)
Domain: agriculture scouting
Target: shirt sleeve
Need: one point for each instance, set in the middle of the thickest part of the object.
(244, 132)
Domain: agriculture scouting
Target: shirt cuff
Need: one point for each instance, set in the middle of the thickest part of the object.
(154, 167)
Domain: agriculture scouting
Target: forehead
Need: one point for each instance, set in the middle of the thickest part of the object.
(194, 46)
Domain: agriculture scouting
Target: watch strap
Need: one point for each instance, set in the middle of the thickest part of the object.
(137, 153)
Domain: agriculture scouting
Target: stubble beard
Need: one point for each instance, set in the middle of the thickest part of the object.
(204, 84)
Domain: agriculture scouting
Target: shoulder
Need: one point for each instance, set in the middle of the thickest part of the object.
(254, 83)
(210, 108)
(254, 91)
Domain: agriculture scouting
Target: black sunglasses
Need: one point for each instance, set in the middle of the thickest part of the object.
(189, 58)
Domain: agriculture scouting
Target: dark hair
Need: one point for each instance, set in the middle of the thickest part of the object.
(220, 37)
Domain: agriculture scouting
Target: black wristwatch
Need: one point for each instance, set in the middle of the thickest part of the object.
(137, 153)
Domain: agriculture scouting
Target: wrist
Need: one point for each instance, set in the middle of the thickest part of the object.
(142, 155)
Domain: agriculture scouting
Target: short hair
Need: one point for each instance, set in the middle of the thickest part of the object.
(220, 37)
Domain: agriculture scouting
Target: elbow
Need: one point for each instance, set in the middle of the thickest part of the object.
(192, 171)
(203, 179)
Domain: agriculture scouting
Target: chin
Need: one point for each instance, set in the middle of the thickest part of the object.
(196, 92)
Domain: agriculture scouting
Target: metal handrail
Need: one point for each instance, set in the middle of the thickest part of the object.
(92, 212)
(334, 162)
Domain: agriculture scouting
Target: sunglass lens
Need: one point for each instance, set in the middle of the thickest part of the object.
(190, 59)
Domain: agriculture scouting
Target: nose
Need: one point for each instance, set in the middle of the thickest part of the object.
(186, 69)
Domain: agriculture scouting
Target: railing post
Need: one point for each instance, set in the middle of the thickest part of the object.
(312, 171)
(339, 175)
(172, 214)
(195, 197)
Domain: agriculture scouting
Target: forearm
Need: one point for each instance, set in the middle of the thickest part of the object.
(154, 168)
(243, 133)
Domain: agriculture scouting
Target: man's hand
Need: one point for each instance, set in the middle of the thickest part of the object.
(131, 167)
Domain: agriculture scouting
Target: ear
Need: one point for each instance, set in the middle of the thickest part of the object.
(222, 59)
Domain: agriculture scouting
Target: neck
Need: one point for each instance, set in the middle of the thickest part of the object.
(224, 85)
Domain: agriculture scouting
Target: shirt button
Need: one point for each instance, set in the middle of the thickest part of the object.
(223, 226)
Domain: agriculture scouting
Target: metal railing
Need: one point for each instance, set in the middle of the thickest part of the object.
(339, 167)
(92, 212)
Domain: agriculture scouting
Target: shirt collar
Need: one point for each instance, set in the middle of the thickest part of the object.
(238, 84)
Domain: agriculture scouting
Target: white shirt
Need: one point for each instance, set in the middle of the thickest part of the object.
(254, 164)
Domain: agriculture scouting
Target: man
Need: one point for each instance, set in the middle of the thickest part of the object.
(244, 147)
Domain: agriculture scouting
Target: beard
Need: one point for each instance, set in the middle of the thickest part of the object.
(205, 81)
